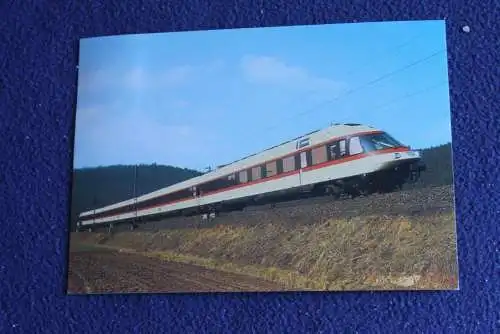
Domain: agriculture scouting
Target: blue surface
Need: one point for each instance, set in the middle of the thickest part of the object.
(38, 56)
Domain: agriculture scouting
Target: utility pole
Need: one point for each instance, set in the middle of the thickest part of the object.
(94, 205)
(135, 180)
(135, 193)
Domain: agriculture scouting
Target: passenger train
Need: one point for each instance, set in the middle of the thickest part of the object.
(342, 159)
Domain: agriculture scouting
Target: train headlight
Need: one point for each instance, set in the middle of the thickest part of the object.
(397, 155)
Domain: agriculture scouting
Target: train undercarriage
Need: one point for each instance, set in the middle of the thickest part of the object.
(390, 178)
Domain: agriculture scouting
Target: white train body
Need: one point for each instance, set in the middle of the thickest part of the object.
(333, 155)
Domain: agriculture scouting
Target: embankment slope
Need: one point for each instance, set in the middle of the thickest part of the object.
(321, 251)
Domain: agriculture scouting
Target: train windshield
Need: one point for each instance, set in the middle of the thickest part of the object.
(379, 141)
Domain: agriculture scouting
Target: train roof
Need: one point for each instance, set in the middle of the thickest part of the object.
(282, 149)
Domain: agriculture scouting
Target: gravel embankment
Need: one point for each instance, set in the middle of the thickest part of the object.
(397, 234)
(416, 202)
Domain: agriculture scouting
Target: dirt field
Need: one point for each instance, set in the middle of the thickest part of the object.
(396, 241)
(109, 271)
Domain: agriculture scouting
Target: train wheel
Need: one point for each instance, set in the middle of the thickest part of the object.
(333, 191)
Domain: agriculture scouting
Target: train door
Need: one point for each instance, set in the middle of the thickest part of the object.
(305, 161)
(196, 194)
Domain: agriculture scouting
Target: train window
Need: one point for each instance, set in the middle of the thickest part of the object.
(231, 180)
(355, 146)
(178, 195)
(319, 155)
(379, 141)
(271, 168)
(297, 161)
(256, 173)
(279, 166)
(243, 176)
(122, 210)
(303, 159)
(342, 148)
(218, 184)
(333, 151)
(288, 164)
(263, 171)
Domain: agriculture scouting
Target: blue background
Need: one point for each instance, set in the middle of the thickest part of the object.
(38, 57)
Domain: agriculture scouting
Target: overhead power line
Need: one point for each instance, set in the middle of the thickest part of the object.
(370, 83)
(409, 95)
(395, 50)
(406, 96)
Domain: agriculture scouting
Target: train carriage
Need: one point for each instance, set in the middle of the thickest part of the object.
(350, 159)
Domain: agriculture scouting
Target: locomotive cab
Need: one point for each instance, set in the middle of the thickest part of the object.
(382, 143)
(394, 163)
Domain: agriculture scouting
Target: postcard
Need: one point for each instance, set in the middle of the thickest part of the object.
(295, 158)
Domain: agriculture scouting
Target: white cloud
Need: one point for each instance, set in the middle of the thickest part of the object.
(103, 138)
(178, 75)
(95, 80)
(138, 78)
(126, 131)
(272, 71)
(215, 66)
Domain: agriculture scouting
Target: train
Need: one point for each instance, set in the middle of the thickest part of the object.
(348, 159)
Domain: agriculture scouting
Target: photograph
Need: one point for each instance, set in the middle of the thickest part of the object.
(272, 159)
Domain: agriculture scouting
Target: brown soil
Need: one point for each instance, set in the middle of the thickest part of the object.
(109, 271)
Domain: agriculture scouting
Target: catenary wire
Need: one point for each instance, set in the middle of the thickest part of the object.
(408, 95)
(394, 50)
(351, 91)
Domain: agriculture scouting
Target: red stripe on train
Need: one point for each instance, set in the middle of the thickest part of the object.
(278, 176)
(331, 140)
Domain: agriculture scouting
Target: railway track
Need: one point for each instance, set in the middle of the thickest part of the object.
(413, 202)
(404, 196)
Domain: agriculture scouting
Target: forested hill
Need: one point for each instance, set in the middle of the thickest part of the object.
(439, 166)
(101, 186)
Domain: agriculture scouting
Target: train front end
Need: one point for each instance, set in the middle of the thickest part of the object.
(392, 163)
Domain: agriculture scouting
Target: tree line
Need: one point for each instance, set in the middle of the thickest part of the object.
(100, 186)
(438, 160)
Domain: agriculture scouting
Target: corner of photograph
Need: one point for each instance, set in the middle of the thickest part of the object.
(293, 158)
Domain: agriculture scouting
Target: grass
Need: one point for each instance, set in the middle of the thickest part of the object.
(361, 253)
(286, 278)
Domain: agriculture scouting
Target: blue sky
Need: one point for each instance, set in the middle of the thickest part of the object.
(198, 99)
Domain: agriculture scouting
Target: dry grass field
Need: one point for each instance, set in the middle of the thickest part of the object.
(369, 252)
